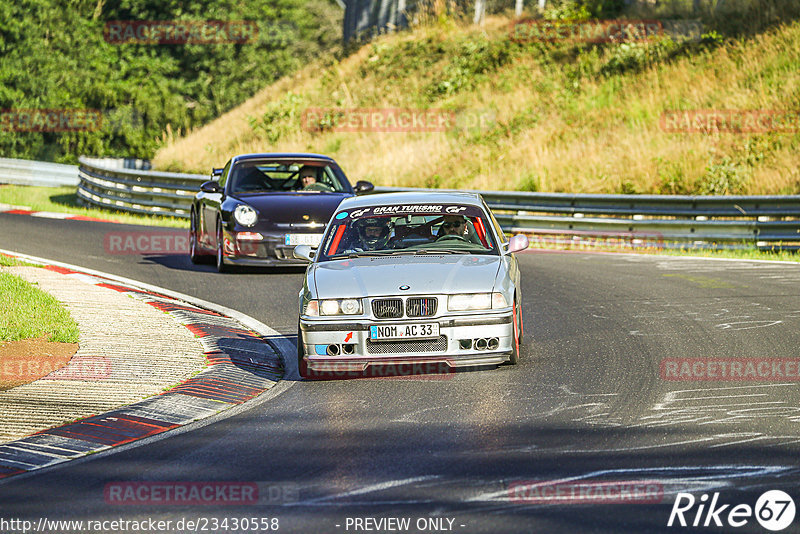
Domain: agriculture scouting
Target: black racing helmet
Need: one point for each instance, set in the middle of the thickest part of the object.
(373, 231)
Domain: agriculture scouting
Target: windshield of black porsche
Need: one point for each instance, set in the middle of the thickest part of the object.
(284, 177)
(417, 229)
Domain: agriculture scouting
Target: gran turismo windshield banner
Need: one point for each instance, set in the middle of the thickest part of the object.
(410, 209)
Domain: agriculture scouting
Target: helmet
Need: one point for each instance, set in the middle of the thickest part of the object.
(373, 232)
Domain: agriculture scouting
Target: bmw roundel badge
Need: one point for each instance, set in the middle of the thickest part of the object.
(405, 288)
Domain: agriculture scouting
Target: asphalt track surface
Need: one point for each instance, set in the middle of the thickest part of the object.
(586, 403)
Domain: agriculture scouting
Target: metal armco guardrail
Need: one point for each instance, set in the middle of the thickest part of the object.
(137, 191)
(40, 173)
(764, 221)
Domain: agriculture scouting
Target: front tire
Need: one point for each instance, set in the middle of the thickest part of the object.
(194, 246)
(513, 359)
(302, 365)
(221, 267)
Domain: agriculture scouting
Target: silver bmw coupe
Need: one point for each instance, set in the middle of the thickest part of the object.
(426, 280)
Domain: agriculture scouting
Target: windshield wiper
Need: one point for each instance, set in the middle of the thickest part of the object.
(441, 251)
(352, 255)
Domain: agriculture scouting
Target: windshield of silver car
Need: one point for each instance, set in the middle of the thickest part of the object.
(408, 229)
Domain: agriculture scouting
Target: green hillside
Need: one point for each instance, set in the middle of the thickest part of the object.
(551, 116)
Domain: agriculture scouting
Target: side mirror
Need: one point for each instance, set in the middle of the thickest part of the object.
(304, 252)
(362, 186)
(216, 171)
(210, 187)
(517, 243)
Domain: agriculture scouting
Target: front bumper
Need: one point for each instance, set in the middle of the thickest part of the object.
(356, 352)
(269, 251)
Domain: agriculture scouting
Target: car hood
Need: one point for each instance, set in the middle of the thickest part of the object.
(426, 275)
(283, 210)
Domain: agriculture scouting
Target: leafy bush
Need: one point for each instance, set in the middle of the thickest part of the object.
(55, 57)
(279, 117)
(585, 9)
(634, 56)
(468, 62)
(723, 178)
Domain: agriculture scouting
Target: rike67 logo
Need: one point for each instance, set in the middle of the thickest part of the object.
(774, 510)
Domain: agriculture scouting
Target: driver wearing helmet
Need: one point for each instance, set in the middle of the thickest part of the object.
(372, 233)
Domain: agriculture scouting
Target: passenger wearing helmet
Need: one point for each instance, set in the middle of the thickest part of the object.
(373, 233)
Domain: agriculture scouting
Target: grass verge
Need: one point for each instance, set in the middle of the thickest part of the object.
(734, 254)
(8, 261)
(64, 200)
(28, 312)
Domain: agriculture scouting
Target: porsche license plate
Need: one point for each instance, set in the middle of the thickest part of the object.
(386, 332)
(303, 239)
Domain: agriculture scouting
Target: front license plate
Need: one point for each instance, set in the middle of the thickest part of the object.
(303, 239)
(386, 332)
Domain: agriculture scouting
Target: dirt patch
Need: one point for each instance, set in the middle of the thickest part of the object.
(22, 362)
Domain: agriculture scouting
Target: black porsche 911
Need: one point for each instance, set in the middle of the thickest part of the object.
(260, 206)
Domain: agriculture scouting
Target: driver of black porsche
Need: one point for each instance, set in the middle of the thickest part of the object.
(308, 177)
(453, 225)
(373, 233)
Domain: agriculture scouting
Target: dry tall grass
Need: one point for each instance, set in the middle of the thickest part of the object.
(601, 136)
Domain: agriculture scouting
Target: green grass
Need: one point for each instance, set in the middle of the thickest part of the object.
(8, 261)
(744, 254)
(28, 312)
(64, 200)
(736, 254)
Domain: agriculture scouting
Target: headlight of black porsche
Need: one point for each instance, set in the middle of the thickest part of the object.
(245, 215)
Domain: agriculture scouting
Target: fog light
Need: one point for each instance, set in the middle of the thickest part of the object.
(249, 236)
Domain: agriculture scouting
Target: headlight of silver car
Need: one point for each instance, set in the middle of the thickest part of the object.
(476, 301)
(334, 307)
(245, 215)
